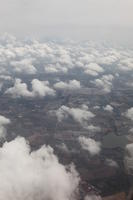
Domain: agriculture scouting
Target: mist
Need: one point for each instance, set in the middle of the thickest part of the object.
(91, 19)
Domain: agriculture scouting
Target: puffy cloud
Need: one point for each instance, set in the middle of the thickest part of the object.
(19, 89)
(131, 130)
(93, 128)
(90, 145)
(93, 69)
(39, 89)
(5, 77)
(80, 115)
(126, 64)
(105, 83)
(92, 197)
(108, 108)
(111, 163)
(128, 160)
(63, 147)
(71, 85)
(24, 66)
(129, 113)
(55, 68)
(3, 122)
(1, 85)
(34, 175)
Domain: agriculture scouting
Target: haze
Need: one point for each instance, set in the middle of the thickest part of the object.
(88, 19)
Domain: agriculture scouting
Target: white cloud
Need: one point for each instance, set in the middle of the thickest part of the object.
(71, 85)
(128, 160)
(39, 89)
(111, 163)
(129, 113)
(55, 68)
(80, 115)
(24, 66)
(63, 147)
(108, 108)
(5, 77)
(34, 175)
(3, 122)
(92, 197)
(105, 83)
(90, 145)
(93, 69)
(19, 89)
(126, 65)
(93, 128)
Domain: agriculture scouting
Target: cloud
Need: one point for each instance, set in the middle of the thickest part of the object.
(129, 114)
(34, 175)
(128, 160)
(93, 128)
(3, 122)
(105, 83)
(39, 89)
(5, 77)
(93, 69)
(19, 89)
(92, 197)
(80, 115)
(108, 108)
(55, 68)
(90, 145)
(63, 147)
(111, 163)
(126, 65)
(71, 85)
(24, 66)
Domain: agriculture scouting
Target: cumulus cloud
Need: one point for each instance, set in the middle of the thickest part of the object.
(71, 85)
(39, 89)
(5, 77)
(92, 197)
(63, 147)
(90, 145)
(111, 163)
(24, 66)
(93, 69)
(105, 83)
(34, 175)
(55, 68)
(93, 128)
(19, 89)
(3, 122)
(129, 114)
(126, 65)
(80, 115)
(108, 108)
(128, 160)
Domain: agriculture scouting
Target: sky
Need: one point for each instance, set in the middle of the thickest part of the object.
(67, 18)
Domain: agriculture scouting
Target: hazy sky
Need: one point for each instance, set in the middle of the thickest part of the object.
(58, 18)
